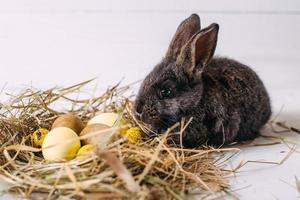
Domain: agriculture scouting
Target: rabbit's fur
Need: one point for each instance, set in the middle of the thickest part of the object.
(226, 99)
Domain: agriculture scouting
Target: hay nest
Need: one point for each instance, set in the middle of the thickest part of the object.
(150, 169)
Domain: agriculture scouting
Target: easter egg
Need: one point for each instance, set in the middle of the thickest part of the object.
(60, 144)
(70, 121)
(103, 135)
(108, 119)
(38, 136)
(84, 150)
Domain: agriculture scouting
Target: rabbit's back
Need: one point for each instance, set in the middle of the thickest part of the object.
(234, 92)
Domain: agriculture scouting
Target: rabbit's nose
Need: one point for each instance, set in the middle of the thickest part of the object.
(148, 115)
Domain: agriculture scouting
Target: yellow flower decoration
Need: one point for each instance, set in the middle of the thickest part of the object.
(133, 135)
(38, 136)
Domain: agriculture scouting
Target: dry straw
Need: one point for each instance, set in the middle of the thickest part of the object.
(151, 169)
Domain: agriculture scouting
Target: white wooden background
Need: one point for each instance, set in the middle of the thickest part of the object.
(61, 42)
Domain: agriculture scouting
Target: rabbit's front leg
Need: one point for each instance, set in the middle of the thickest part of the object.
(225, 129)
(193, 135)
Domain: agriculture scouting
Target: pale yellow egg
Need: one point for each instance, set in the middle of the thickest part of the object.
(60, 144)
(102, 123)
(108, 119)
(101, 137)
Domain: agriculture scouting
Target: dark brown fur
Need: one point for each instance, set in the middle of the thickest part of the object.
(227, 100)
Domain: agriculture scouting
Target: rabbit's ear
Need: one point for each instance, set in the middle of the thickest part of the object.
(199, 50)
(184, 32)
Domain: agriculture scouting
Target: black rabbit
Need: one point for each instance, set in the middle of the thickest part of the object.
(226, 99)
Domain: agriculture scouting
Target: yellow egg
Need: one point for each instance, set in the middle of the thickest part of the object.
(133, 135)
(84, 150)
(60, 144)
(38, 136)
(108, 119)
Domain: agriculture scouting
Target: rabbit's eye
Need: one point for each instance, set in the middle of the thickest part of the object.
(166, 93)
